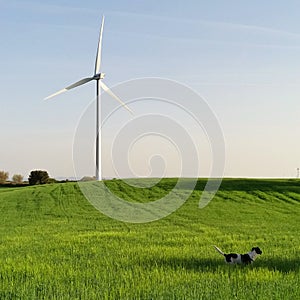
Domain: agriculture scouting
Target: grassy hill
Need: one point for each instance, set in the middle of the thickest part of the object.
(56, 245)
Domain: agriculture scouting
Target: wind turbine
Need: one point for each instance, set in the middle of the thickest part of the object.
(98, 76)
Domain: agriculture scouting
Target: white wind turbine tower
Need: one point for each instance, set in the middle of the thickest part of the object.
(98, 76)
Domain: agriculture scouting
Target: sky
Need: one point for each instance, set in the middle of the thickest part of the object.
(241, 58)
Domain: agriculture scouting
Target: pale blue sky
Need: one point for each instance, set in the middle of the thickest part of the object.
(242, 57)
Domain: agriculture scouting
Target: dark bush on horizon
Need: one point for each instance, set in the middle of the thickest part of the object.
(38, 177)
(52, 180)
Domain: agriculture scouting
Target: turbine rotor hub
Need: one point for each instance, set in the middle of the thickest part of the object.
(99, 76)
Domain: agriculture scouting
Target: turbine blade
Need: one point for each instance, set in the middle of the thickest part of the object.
(78, 83)
(55, 94)
(109, 91)
(99, 49)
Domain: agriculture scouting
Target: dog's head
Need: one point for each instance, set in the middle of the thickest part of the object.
(257, 250)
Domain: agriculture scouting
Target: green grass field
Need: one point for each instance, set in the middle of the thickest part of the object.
(55, 245)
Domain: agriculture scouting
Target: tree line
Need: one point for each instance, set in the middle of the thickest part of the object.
(35, 177)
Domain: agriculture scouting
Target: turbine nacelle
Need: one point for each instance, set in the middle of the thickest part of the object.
(99, 76)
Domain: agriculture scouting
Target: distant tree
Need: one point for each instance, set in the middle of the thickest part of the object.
(38, 177)
(3, 176)
(17, 178)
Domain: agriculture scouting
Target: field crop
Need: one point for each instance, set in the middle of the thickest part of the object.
(55, 245)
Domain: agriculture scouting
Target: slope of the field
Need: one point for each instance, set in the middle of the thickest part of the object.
(55, 245)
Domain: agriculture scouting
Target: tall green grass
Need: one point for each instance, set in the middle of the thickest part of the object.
(55, 245)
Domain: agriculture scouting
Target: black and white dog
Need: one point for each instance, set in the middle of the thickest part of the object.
(235, 258)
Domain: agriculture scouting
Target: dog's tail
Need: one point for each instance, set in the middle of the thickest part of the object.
(219, 250)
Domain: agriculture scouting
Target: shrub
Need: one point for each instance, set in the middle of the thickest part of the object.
(51, 180)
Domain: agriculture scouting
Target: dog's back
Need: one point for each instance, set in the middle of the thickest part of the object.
(235, 258)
